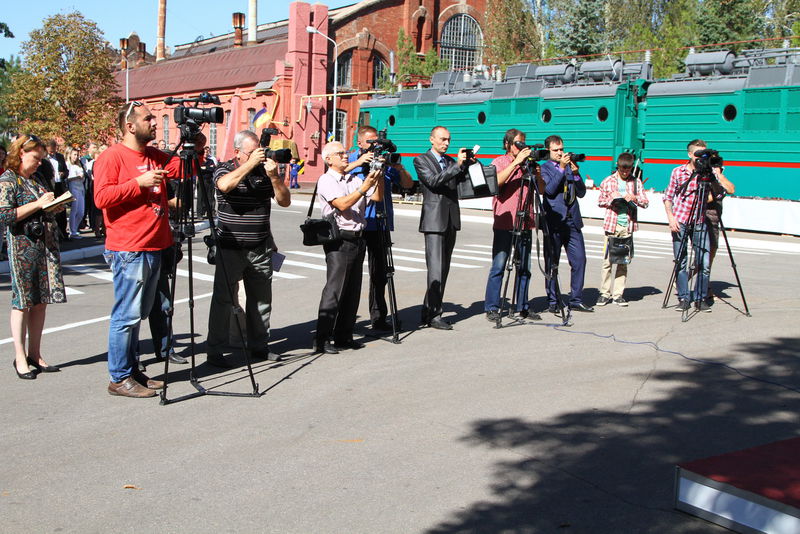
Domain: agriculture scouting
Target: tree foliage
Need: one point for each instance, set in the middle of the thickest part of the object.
(5, 31)
(65, 87)
(578, 27)
(410, 65)
(512, 33)
(8, 68)
(723, 21)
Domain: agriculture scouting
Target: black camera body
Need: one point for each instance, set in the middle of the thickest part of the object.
(704, 165)
(538, 152)
(32, 228)
(576, 158)
(283, 155)
(190, 118)
(384, 150)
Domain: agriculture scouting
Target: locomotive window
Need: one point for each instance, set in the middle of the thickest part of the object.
(546, 115)
(602, 114)
(481, 117)
(391, 120)
(729, 112)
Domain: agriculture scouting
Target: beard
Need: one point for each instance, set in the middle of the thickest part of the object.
(145, 134)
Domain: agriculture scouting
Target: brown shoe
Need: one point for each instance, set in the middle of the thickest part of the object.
(144, 380)
(130, 388)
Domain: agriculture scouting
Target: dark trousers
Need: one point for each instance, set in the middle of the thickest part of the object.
(59, 189)
(376, 257)
(566, 235)
(338, 305)
(438, 252)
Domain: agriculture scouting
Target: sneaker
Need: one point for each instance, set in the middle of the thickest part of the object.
(704, 306)
(602, 301)
(492, 316)
(619, 301)
(683, 305)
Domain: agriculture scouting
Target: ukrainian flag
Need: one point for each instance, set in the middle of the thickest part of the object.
(261, 119)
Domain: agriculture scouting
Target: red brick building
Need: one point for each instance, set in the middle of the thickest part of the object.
(289, 71)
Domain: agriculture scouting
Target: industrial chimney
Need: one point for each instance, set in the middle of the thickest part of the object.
(238, 26)
(252, 23)
(162, 25)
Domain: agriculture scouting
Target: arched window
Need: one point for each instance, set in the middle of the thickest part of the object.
(345, 62)
(462, 42)
(379, 70)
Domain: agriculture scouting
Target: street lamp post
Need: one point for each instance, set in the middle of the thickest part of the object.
(312, 29)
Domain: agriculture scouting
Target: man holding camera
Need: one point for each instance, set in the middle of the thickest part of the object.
(680, 203)
(620, 194)
(511, 195)
(440, 219)
(129, 188)
(245, 187)
(343, 196)
(394, 174)
(563, 186)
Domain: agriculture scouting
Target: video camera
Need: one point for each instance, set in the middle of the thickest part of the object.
(189, 118)
(385, 152)
(704, 165)
(538, 152)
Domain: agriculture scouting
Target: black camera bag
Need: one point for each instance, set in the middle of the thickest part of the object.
(319, 231)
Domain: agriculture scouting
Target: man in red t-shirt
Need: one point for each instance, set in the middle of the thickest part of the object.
(130, 189)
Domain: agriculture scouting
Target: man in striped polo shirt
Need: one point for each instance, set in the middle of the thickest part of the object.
(244, 188)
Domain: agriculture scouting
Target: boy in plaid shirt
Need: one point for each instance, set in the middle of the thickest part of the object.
(620, 221)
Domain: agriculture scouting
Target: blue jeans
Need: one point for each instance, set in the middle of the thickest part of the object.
(701, 247)
(501, 248)
(135, 281)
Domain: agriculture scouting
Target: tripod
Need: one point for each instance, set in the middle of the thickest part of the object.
(518, 248)
(385, 244)
(550, 270)
(185, 219)
(699, 256)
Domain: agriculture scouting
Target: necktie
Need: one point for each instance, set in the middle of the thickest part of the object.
(442, 162)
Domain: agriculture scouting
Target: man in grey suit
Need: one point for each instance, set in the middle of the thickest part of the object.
(439, 175)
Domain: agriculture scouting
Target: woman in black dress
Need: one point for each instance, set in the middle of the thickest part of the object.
(33, 256)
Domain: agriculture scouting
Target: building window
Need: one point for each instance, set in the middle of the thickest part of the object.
(341, 126)
(228, 119)
(165, 128)
(462, 42)
(345, 61)
(380, 70)
(251, 114)
(212, 139)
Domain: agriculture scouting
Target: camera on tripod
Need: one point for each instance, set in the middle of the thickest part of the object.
(704, 165)
(190, 118)
(385, 152)
(538, 152)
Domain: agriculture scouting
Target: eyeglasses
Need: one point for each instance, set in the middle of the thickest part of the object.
(32, 139)
(340, 154)
(134, 104)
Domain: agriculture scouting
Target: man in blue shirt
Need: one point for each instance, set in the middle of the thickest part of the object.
(358, 162)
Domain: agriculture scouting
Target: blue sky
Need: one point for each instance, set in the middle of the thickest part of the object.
(186, 19)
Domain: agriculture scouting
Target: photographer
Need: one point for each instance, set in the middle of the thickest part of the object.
(620, 194)
(563, 186)
(344, 196)
(129, 188)
(440, 219)
(245, 187)
(394, 175)
(510, 171)
(719, 189)
(679, 199)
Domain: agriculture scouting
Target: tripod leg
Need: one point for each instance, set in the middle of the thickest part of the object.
(733, 266)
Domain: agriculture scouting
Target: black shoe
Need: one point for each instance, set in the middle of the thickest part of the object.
(683, 305)
(602, 301)
(325, 348)
(30, 375)
(493, 316)
(704, 306)
(440, 324)
(173, 358)
(381, 325)
(352, 344)
(218, 360)
(44, 368)
(581, 308)
(527, 314)
(553, 309)
(620, 301)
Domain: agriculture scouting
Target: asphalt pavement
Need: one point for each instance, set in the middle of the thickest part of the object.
(532, 427)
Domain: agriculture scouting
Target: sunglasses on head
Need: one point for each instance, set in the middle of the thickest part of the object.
(133, 104)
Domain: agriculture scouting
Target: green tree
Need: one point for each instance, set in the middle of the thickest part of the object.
(66, 88)
(512, 34)
(410, 65)
(8, 67)
(723, 21)
(5, 30)
(578, 27)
